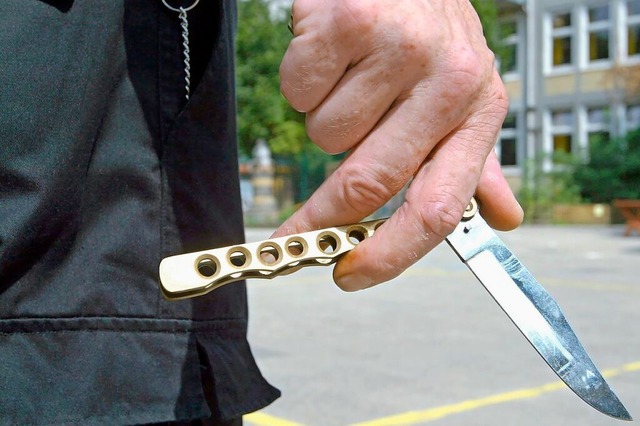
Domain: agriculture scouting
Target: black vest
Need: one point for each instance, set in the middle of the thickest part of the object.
(105, 168)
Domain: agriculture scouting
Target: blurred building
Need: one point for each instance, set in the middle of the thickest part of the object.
(572, 71)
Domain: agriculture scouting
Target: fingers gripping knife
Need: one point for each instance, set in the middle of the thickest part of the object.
(523, 299)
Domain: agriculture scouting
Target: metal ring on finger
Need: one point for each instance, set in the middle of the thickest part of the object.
(290, 24)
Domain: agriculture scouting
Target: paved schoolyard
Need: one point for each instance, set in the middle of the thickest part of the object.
(431, 347)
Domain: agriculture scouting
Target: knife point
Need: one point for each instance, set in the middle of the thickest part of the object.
(609, 404)
(534, 312)
(622, 414)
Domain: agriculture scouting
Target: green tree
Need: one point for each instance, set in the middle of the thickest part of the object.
(612, 171)
(261, 42)
(495, 30)
(488, 13)
(541, 189)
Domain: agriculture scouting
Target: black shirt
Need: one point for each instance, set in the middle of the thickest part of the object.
(105, 168)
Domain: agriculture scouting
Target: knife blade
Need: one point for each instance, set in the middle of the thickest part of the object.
(533, 311)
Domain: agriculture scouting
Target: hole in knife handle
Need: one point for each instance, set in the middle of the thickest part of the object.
(207, 266)
(296, 247)
(269, 253)
(356, 234)
(328, 243)
(239, 257)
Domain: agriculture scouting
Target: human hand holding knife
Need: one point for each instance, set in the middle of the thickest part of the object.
(523, 299)
(410, 89)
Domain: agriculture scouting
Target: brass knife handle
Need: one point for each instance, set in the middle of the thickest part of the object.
(195, 274)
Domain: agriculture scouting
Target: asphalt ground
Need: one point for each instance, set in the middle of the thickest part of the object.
(432, 347)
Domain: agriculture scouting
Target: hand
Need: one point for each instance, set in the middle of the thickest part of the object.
(410, 89)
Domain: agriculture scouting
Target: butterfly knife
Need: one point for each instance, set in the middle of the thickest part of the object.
(523, 299)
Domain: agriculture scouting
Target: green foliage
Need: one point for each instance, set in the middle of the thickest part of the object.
(495, 30)
(541, 189)
(488, 13)
(263, 112)
(309, 169)
(262, 39)
(613, 169)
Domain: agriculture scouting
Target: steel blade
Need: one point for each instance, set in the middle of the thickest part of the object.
(536, 314)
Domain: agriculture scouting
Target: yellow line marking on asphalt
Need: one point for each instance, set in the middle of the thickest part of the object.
(425, 416)
(431, 414)
(262, 419)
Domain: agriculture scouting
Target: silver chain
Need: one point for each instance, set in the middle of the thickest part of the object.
(184, 23)
(185, 51)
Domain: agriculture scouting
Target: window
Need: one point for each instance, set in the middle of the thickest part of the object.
(561, 39)
(509, 56)
(597, 125)
(598, 28)
(507, 147)
(633, 27)
(562, 124)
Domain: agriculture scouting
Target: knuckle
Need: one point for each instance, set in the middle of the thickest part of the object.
(469, 71)
(440, 217)
(367, 188)
(295, 84)
(335, 134)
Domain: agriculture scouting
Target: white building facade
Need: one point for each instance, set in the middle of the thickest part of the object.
(571, 68)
